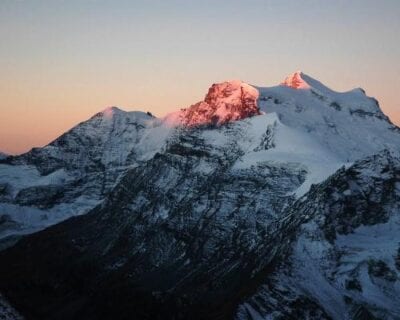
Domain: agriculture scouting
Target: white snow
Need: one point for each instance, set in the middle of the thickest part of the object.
(292, 147)
(23, 176)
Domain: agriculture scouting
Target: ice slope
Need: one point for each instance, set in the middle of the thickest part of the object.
(350, 125)
(287, 146)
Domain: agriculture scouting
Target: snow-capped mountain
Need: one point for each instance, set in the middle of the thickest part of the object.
(73, 173)
(216, 211)
(341, 122)
(107, 140)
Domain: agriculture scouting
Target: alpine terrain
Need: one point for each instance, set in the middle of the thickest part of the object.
(256, 203)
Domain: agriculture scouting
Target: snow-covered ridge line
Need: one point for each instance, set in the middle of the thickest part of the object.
(235, 100)
(314, 129)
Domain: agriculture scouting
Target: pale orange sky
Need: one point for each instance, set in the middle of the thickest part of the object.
(63, 61)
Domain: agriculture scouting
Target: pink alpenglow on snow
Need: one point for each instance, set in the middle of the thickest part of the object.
(108, 112)
(296, 81)
(224, 102)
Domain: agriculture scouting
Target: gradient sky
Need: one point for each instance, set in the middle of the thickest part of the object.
(63, 61)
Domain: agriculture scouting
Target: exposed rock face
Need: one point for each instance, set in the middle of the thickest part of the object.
(224, 102)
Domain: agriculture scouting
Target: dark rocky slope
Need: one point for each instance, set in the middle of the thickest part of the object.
(121, 261)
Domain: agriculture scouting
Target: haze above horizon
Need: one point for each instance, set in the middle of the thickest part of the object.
(63, 61)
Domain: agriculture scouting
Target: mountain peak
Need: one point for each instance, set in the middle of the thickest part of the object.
(300, 80)
(229, 91)
(110, 111)
(296, 81)
(225, 102)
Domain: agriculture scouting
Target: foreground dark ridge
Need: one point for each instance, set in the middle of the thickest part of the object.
(95, 267)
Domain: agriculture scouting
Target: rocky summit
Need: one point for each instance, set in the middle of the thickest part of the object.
(256, 203)
(225, 102)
